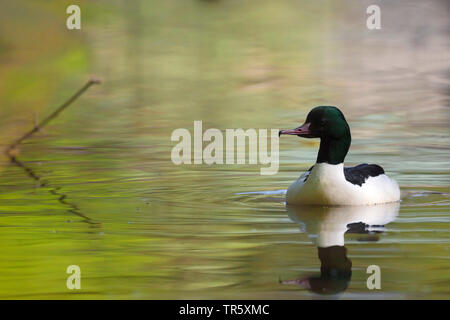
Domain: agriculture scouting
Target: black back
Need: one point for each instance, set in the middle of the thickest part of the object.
(359, 174)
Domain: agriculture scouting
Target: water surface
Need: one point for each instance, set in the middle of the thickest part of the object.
(97, 187)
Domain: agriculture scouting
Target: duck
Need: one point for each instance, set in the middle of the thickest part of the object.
(328, 182)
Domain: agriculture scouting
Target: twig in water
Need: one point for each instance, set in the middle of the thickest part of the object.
(55, 191)
(10, 149)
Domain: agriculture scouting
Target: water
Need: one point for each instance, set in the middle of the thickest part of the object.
(97, 188)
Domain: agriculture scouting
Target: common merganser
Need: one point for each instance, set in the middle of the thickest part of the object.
(328, 182)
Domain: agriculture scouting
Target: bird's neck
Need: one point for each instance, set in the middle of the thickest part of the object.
(333, 151)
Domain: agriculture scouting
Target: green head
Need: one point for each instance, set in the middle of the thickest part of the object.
(329, 124)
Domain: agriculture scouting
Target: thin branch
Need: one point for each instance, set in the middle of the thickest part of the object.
(13, 155)
(51, 116)
(55, 191)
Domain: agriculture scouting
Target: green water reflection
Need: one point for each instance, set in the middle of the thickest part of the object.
(97, 188)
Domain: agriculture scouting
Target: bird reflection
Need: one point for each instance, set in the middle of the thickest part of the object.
(327, 226)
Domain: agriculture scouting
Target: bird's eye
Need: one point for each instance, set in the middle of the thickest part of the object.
(323, 122)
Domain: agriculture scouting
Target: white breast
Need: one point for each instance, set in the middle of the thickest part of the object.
(326, 185)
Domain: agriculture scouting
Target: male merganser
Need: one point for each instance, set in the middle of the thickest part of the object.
(328, 182)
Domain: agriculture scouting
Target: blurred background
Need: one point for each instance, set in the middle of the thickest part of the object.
(97, 188)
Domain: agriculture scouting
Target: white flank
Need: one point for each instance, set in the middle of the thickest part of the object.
(326, 185)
